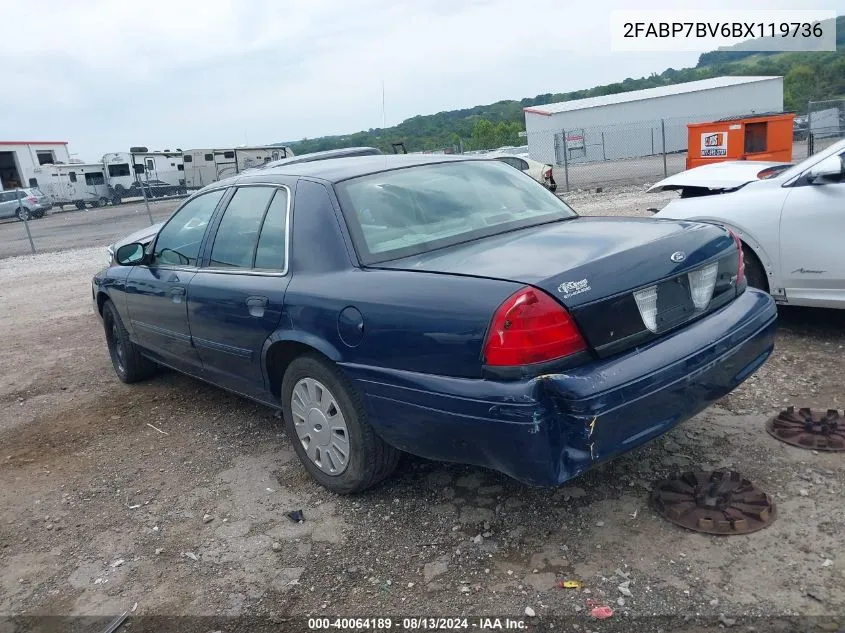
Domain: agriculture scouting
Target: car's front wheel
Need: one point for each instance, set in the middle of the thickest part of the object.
(326, 421)
(129, 365)
(755, 274)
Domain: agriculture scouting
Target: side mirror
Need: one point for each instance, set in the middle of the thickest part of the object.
(831, 167)
(130, 254)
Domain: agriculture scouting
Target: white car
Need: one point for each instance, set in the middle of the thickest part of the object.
(790, 218)
(538, 171)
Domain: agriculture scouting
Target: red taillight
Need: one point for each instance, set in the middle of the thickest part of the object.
(32, 199)
(740, 269)
(531, 327)
(547, 174)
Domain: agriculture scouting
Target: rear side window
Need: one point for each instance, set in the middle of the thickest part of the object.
(237, 235)
(209, 158)
(188, 158)
(72, 176)
(271, 252)
(33, 182)
(228, 154)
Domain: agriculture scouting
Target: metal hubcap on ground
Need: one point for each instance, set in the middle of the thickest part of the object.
(715, 502)
(818, 431)
(320, 426)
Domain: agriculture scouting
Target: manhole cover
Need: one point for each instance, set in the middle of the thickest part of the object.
(715, 502)
(818, 431)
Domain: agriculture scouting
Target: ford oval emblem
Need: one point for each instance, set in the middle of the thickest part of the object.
(677, 257)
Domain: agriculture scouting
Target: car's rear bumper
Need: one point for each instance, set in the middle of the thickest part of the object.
(549, 429)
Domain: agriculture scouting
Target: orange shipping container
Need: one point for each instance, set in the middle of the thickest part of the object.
(751, 137)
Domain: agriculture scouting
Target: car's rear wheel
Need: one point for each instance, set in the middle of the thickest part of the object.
(129, 365)
(80, 205)
(755, 274)
(22, 213)
(327, 424)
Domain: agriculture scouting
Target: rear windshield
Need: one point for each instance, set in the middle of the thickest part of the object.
(408, 211)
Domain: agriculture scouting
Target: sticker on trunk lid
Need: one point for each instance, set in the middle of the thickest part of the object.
(572, 288)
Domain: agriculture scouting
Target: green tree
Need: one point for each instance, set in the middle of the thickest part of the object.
(483, 134)
(799, 86)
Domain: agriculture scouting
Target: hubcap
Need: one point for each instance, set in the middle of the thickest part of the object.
(320, 426)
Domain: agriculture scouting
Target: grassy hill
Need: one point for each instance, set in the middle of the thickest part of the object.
(807, 77)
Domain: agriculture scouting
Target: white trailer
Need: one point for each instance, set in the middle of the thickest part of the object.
(204, 166)
(160, 173)
(78, 184)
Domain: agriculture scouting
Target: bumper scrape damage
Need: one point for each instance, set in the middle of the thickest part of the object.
(549, 429)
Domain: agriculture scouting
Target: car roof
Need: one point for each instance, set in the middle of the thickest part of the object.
(339, 169)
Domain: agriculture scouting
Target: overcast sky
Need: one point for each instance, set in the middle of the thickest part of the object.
(106, 75)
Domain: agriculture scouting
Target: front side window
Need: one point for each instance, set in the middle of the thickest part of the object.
(403, 212)
(45, 157)
(187, 158)
(72, 176)
(178, 242)
(228, 154)
(150, 164)
(209, 158)
(237, 235)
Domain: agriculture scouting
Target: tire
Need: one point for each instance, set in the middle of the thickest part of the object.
(115, 200)
(369, 459)
(129, 365)
(104, 201)
(80, 205)
(23, 214)
(95, 204)
(755, 275)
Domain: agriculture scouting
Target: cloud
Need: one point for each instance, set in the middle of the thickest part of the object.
(105, 75)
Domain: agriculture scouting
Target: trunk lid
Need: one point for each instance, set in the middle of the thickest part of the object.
(594, 265)
(581, 260)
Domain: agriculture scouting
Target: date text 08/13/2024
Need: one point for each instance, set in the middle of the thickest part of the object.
(417, 624)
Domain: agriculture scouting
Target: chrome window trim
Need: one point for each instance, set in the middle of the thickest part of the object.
(253, 271)
(240, 271)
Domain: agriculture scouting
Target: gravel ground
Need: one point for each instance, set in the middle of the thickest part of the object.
(101, 511)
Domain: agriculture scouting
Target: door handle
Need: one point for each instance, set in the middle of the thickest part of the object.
(256, 305)
(176, 293)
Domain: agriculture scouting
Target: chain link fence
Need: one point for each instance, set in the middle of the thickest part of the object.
(824, 124)
(630, 153)
(642, 152)
(29, 226)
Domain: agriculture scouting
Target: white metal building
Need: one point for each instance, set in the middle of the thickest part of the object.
(18, 160)
(635, 123)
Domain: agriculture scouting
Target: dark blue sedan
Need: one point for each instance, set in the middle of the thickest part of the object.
(451, 308)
